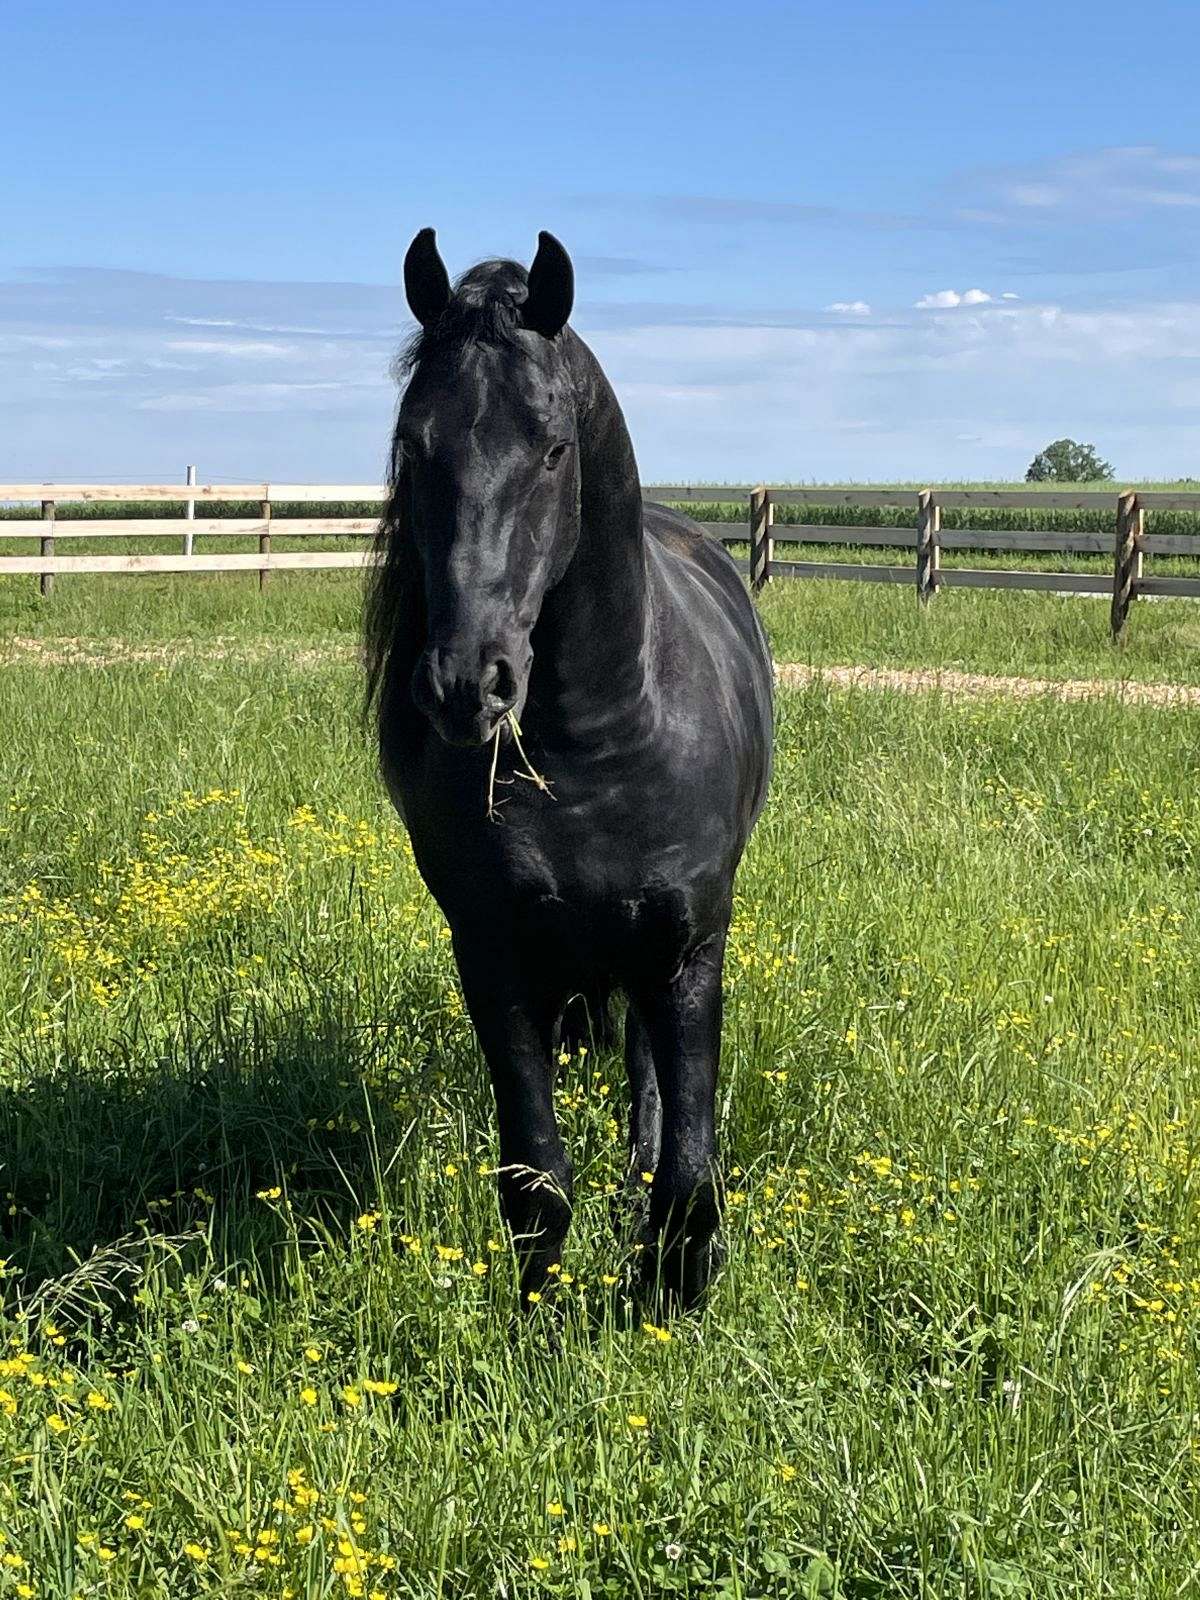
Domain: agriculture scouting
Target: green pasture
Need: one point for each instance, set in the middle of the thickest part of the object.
(818, 622)
(257, 1307)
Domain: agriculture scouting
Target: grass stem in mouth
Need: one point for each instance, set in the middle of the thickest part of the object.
(493, 814)
(530, 772)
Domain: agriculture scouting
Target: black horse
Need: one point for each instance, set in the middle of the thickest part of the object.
(573, 696)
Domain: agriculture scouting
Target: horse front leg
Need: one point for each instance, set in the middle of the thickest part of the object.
(516, 1024)
(631, 1205)
(682, 1020)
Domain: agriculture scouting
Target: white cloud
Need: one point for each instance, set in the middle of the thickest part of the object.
(250, 327)
(1039, 195)
(858, 308)
(1009, 295)
(35, 341)
(229, 347)
(910, 396)
(256, 397)
(1087, 183)
(92, 389)
(947, 299)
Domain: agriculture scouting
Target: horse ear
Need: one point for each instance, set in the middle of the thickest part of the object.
(551, 288)
(426, 281)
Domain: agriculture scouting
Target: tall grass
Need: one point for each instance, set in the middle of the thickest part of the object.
(257, 1303)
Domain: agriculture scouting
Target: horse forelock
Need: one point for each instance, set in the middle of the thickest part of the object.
(485, 308)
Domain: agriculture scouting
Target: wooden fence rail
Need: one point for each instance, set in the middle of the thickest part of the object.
(1129, 543)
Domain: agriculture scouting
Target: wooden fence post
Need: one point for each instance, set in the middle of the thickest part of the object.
(264, 542)
(929, 548)
(1127, 558)
(762, 546)
(189, 534)
(46, 579)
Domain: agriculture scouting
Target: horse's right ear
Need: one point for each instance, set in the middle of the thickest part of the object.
(426, 281)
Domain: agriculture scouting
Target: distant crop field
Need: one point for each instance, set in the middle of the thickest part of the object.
(255, 1298)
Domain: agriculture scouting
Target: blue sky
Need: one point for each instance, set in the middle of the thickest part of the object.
(859, 239)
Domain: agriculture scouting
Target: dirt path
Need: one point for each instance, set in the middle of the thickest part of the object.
(83, 652)
(66, 652)
(976, 685)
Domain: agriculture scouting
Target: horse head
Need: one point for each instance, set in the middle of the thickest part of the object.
(486, 453)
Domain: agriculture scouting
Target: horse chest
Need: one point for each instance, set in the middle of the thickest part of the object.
(597, 884)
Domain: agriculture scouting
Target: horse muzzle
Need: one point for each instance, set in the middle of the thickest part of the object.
(464, 697)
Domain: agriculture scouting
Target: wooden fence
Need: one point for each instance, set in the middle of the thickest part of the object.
(1129, 543)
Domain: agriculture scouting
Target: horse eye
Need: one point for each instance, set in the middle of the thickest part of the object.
(556, 452)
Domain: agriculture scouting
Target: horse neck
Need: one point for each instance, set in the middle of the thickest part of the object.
(590, 645)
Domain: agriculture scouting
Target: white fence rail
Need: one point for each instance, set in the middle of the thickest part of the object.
(1129, 542)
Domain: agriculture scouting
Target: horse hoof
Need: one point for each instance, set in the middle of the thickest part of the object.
(675, 1280)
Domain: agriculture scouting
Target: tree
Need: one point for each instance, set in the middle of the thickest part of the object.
(1064, 461)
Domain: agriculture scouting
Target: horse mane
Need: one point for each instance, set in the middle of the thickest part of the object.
(483, 309)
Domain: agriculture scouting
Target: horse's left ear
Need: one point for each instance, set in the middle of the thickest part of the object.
(551, 288)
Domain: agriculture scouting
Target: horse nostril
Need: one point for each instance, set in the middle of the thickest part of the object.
(499, 684)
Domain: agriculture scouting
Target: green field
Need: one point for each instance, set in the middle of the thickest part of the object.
(257, 1303)
(818, 622)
